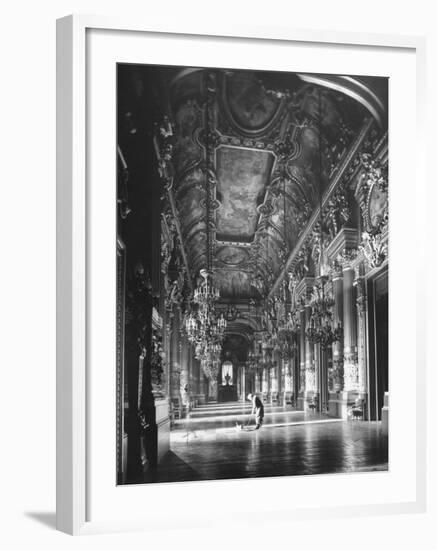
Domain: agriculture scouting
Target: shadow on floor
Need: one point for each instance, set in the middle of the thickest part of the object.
(45, 518)
(171, 468)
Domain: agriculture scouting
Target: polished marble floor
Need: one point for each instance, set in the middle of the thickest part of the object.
(208, 445)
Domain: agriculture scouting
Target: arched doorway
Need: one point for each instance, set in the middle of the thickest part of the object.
(227, 390)
(227, 374)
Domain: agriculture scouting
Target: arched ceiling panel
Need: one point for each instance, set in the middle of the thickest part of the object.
(274, 139)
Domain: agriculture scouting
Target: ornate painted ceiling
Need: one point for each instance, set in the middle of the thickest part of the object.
(270, 143)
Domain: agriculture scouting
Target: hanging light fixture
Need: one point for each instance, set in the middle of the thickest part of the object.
(287, 320)
(206, 293)
(254, 355)
(320, 328)
(204, 327)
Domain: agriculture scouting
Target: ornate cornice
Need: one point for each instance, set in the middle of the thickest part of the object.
(304, 289)
(343, 249)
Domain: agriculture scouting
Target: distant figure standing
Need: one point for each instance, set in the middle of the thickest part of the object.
(257, 409)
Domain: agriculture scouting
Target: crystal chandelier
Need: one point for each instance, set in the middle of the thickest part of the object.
(320, 329)
(254, 356)
(285, 306)
(204, 327)
(206, 293)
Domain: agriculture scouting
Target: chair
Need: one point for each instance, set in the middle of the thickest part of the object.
(275, 397)
(312, 403)
(357, 410)
(175, 410)
(288, 398)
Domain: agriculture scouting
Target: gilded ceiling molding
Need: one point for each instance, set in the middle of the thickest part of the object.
(183, 183)
(353, 88)
(187, 231)
(335, 181)
(263, 231)
(238, 127)
(185, 72)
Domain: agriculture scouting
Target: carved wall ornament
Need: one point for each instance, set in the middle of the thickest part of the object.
(372, 194)
(337, 212)
(286, 149)
(164, 141)
(376, 172)
(213, 139)
(266, 209)
(374, 249)
(360, 285)
(337, 373)
(351, 372)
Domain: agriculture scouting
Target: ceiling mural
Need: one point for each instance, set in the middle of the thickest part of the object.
(272, 143)
(242, 179)
(247, 105)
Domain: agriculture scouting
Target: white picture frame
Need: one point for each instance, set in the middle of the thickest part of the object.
(73, 376)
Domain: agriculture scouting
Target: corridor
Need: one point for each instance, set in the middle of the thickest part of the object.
(207, 445)
(252, 258)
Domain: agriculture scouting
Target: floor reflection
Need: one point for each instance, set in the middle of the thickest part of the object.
(209, 446)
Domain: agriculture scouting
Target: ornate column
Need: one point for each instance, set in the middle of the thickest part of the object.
(264, 381)
(349, 330)
(317, 368)
(280, 372)
(360, 285)
(192, 378)
(257, 376)
(342, 252)
(202, 384)
(243, 382)
(337, 347)
(301, 357)
(303, 292)
(175, 367)
(310, 374)
(288, 376)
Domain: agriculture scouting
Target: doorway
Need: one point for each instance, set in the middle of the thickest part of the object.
(378, 303)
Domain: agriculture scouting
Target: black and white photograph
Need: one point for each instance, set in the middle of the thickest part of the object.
(252, 274)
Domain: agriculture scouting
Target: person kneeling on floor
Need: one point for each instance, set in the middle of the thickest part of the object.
(257, 409)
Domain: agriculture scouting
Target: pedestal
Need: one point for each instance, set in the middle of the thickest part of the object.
(340, 402)
(227, 393)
